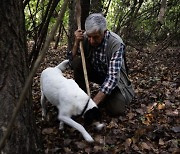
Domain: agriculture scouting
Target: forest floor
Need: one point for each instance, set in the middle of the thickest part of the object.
(151, 123)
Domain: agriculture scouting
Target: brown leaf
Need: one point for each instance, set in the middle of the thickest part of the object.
(128, 142)
(172, 113)
(151, 107)
(135, 147)
(176, 129)
(110, 140)
(167, 102)
(47, 131)
(80, 145)
(149, 118)
(67, 150)
(113, 124)
(138, 133)
(131, 115)
(161, 106)
(145, 146)
(140, 111)
(161, 142)
(67, 141)
(97, 148)
(100, 139)
(88, 150)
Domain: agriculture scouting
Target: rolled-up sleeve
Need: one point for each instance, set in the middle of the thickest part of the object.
(114, 68)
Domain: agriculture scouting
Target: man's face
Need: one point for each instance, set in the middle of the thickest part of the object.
(95, 38)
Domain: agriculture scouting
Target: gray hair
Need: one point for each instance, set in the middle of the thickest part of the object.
(95, 22)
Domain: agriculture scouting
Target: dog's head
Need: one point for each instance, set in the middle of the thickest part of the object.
(92, 115)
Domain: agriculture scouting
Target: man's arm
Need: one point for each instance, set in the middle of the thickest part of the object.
(75, 48)
(99, 97)
(78, 37)
(111, 79)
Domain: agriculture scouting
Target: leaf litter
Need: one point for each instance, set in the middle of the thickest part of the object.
(151, 123)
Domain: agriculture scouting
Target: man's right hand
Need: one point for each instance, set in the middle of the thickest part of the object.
(79, 35)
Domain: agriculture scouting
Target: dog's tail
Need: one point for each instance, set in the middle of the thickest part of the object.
(63, 65)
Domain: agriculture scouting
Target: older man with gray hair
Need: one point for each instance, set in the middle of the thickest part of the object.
(104, 55)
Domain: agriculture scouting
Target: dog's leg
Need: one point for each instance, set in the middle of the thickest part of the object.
(43, 105)
(77, 126)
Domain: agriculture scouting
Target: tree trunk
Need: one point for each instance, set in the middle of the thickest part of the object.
(85, 6)
(14, 70)
(42, 32)
(96, 6)
(162, 12)
(60, 34)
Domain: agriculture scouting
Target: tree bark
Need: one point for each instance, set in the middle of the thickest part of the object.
(85, 7)
(162, 12)
(96, 6)
(14, 70)
(42, 32)
(72, 23)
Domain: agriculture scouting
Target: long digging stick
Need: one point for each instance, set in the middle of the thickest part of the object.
(78, 13)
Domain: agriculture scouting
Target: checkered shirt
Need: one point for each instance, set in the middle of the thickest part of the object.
(108, 68)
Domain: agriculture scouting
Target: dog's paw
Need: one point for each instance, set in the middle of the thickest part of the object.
(88, 138)
(99, 126)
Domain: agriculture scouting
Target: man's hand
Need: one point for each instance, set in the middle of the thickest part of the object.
(79, 35)
(99, 97)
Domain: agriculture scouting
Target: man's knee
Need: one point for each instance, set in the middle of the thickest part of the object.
(78, 72)
(76, 63)
(116, 103)
(116, 108)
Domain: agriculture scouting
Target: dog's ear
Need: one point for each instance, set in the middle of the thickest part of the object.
(63, 65)
(91, 115)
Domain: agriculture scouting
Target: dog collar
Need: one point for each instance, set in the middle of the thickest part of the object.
(85, 107)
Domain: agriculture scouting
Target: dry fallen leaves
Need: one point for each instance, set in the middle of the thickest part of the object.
(151, 123)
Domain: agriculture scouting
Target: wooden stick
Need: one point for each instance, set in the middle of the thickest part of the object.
(78, 13)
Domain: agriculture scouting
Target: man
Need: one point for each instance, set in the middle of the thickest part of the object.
(104, 55)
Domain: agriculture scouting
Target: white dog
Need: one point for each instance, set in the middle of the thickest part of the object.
(69, 98)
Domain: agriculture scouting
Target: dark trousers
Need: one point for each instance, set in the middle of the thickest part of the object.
(115, 102)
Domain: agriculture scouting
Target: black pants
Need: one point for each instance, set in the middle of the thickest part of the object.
(115, 102)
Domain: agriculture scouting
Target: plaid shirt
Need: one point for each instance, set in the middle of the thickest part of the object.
(109, 69)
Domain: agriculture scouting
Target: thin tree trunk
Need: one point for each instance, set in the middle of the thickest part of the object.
(162, 12)
(85, 7)
(42, 33)
(60, 33)
(96, 6)
(72, 24)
